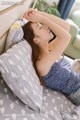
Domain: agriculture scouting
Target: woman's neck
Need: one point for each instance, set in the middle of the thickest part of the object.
(43, 52)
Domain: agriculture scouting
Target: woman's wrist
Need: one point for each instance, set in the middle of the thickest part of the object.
(44, 19)
(42, 13)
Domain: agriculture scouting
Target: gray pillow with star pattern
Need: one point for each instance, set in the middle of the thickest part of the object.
(19, 74)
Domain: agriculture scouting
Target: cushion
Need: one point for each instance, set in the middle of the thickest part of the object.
(76, 17)
(19, 74)
(76, 42)
(15, 33)
(74, 30)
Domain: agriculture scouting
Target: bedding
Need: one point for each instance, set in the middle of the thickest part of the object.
(11, 108)
(54, 104)
(73, 115)
(19, 74)
(15, 33)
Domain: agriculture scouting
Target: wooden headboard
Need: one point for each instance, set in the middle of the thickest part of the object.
(8, 17)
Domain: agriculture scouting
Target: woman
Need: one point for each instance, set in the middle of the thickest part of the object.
(52, 68)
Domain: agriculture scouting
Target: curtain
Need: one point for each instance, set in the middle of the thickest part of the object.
(64, 7)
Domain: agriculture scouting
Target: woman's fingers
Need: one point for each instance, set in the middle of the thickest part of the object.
(29, 16)
(27, 13)
(33, 16)
(30, 10)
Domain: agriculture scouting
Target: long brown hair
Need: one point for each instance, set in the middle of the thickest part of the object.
(29, 36)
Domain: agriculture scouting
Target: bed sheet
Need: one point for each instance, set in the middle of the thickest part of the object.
(11, 108)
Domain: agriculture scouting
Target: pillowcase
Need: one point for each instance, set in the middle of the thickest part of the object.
(15, 33)
(18, 72)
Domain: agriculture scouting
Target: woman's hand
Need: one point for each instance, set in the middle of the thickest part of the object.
(30, 10)
(34, 16)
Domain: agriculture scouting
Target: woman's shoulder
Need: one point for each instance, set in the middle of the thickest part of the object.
(40, 66)
(43, 66)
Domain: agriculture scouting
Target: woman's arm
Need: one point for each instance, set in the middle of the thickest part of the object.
(60, 44)
(57, 20)
(34, 16)
(53, 18)
(56, 28)
(62, 35)
(59, 32)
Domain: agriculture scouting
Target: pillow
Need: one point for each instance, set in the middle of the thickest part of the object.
(15, 33)
(19, 74)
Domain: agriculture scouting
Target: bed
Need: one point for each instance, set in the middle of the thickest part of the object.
(11, 107)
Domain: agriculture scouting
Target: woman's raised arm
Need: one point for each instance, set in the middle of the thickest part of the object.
(57, 20)
(63, 36)
(60, 44)
(53, 18)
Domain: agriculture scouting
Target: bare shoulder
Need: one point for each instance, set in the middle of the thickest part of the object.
(41, 66)
(44, 65)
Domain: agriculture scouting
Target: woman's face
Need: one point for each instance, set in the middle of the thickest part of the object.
(42, 33)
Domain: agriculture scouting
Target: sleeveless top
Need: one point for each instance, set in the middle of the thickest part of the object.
(62, 78)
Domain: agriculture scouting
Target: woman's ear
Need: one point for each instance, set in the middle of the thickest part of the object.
(36, 40)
